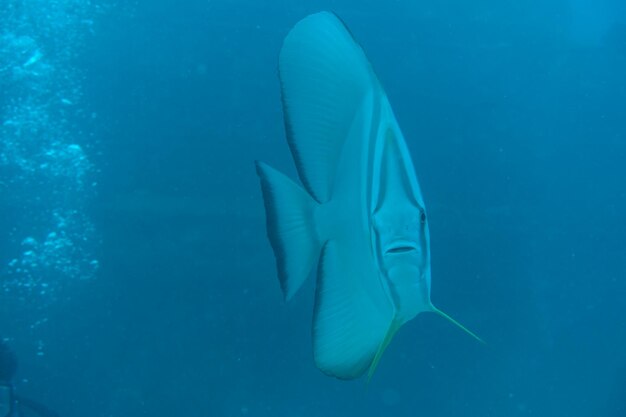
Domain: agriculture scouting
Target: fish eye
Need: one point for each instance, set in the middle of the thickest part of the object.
(423, 217)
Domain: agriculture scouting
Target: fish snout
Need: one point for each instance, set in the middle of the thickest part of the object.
(401, 247)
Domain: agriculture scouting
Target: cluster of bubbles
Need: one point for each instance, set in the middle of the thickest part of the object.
(44, 266)
(47, 180)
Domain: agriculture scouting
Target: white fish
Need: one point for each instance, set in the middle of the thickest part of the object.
(35, 57)
(361, 216)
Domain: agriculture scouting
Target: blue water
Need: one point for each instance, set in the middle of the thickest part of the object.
(149, 287)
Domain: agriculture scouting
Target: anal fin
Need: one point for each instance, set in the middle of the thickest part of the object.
(352, 313)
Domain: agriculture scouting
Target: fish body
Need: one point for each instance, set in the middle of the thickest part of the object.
(361, 217)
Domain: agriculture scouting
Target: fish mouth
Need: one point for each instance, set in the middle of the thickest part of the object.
(401, 247)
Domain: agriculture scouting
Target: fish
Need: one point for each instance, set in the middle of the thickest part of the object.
(359, 217)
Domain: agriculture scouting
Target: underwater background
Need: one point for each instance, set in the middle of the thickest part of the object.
(135, 273)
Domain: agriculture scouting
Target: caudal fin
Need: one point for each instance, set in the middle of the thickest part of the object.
(290, 227)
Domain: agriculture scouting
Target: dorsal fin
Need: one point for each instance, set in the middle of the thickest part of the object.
(324, 77)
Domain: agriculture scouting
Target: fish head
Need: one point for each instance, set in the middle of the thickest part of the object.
(403, 252)
(400, 225)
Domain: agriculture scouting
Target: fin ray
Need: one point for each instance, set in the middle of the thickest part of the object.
(459, 325)
(393, 329)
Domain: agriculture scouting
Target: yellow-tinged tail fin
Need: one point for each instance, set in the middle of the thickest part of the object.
(445, 316)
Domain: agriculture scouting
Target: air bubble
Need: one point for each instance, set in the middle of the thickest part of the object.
(45, 169)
